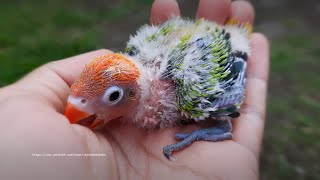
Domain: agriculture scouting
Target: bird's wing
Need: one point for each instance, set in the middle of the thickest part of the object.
(209, 77)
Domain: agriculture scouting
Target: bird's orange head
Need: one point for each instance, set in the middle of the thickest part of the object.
(107, 88)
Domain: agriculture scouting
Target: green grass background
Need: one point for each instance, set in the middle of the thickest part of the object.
(34, 32)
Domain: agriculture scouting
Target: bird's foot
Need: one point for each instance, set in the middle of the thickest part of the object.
(217, 133)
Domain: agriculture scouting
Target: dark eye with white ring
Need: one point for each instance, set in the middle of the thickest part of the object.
(113, 95)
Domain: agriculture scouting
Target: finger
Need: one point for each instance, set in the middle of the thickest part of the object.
(215, 10)
(248, 129)
(243, 11)
(50, 83)
(163, 10)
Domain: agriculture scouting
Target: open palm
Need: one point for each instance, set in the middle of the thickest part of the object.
(33, 122)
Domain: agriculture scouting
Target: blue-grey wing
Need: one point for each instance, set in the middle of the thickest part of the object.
(209, 77)
(229, 101)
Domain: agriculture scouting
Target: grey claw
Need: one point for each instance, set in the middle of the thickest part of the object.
(167, 151)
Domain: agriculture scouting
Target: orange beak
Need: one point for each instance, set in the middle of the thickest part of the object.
(73, 114)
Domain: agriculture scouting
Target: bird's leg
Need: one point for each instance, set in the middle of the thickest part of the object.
(218, 133)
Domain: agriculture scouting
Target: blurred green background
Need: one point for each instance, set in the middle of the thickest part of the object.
(34, 32)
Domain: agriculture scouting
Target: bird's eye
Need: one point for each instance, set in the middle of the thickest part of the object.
(113, 95)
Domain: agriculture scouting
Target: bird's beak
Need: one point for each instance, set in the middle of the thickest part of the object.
(73, 114)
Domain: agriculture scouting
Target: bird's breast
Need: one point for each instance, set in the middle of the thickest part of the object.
(160, 108)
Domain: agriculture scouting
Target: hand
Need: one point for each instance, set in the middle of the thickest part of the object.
(32, 121)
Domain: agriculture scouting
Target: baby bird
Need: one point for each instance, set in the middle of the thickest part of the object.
(180, 71)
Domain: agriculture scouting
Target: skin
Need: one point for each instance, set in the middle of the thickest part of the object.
(32, 121)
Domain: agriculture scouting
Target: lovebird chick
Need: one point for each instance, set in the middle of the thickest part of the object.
(180, 71)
